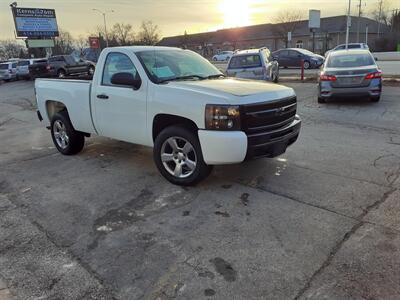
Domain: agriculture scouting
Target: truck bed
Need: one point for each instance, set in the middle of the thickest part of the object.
(74, 93)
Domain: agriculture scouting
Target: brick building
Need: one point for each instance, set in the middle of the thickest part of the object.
(331, 33)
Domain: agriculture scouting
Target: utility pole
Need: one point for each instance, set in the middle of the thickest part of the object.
(105, 22)
(358, 21)
(379, 18)
(348, 25)
(366, 35)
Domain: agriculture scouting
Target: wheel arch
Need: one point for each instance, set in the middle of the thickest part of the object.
(162, 121)
(53, 107)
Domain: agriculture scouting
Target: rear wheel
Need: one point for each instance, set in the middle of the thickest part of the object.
(178, 156)
(91, 71)
(61, 73)
(65, 138)
(321, 100)
(375, 99)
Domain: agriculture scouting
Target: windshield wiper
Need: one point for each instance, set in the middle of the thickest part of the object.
(182, 78)
(215, 76)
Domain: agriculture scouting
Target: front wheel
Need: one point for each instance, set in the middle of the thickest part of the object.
(307, 65)
(65, 138)
(178, 156)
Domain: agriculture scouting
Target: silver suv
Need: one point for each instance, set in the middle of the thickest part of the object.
(253, 64)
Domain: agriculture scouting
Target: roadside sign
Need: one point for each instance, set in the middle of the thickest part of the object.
(35, 22)
(94, 42)
(40, 43)
(314, 20)
(289, 36)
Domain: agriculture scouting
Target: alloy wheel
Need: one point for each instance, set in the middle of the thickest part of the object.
(60, 134)
(178, 157)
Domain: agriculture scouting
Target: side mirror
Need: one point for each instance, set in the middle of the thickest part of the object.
(376, 59)
(126, 79)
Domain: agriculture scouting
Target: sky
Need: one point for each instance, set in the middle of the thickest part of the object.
(175, 16)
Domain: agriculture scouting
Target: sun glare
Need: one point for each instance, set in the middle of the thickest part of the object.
(236, 12)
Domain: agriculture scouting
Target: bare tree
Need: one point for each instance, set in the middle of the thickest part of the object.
(12, 49)
(81, 42)
(149, 33)
(64, 43)
(287, 21)
(123, 34)
(381, 13)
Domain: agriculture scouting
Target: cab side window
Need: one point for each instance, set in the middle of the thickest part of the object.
(117, 63)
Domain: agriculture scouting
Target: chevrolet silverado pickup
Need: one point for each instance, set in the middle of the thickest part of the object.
(175, 101)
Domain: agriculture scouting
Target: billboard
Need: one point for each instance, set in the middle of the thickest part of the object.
(314, 20)
(35, 22)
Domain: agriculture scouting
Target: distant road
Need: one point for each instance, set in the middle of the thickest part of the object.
(388, 68)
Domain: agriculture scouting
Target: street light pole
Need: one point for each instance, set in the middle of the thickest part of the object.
(105, 22)
(348, 26)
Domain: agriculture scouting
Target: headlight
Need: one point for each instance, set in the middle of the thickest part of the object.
(222, 117)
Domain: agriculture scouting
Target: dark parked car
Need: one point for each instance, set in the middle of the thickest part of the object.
(61, 66)
(292, 57)
(348, 73)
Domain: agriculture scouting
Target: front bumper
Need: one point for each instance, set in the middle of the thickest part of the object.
(230, 147)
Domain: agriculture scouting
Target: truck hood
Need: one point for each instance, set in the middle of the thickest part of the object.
(238, 91)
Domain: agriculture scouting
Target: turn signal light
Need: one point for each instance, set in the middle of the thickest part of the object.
(374, 75)
(324, 77)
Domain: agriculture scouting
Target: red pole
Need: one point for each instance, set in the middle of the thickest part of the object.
(302, 69)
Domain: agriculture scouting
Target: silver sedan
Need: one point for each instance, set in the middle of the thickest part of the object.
(349, 73)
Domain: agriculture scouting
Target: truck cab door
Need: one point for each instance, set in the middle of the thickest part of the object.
(119, 110)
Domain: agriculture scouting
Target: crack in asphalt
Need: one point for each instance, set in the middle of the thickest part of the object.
(340, 244)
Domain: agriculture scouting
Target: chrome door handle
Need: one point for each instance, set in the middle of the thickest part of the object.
(102, 96)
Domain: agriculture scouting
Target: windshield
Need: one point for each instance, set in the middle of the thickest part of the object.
(350, 60)
(3, 66)
(166, 65)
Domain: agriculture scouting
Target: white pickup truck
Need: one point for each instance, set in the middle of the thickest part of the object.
(175, 101)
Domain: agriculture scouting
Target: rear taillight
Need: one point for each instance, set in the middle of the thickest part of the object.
(324, 77)
(48, 67)
(374, 75)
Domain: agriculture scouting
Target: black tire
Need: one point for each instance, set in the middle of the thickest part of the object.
(200, 171)
(375, 99)
(321, 100)
(91, 71)
(275, 78)
(61, 73)
(307, 64)
(76, 140)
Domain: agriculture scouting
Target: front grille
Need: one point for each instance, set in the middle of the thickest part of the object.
(268, 116)
(270, 126)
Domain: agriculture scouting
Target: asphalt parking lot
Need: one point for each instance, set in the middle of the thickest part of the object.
(320, 222)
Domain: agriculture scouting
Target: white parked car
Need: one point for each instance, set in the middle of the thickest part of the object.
(357, 46)
(8, 71)
(175, 101)
(23, 67)
(223, 56)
